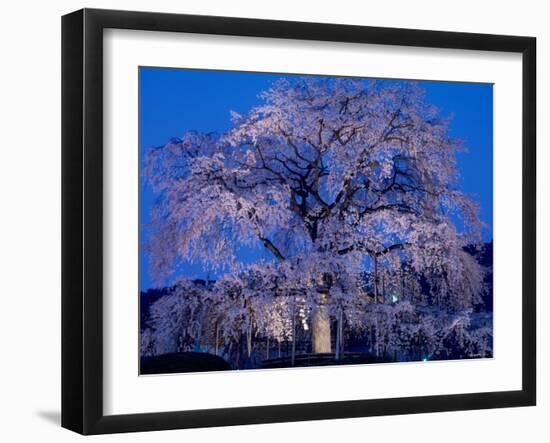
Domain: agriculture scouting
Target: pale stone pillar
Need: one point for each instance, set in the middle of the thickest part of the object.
(320, 328)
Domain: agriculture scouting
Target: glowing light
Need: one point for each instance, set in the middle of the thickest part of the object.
(425, 359)
(394, 298)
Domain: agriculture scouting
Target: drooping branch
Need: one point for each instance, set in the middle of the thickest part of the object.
(272, 248)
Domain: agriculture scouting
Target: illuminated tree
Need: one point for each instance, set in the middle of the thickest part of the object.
(338, 179)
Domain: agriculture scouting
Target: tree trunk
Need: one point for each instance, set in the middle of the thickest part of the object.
(249, 340)
(402, 285)
(375, 279)
(337, 341)
(341, 332)
(217, 338)
(293, 350)
(320, 328)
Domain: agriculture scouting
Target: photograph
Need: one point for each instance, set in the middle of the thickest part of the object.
(290, 220)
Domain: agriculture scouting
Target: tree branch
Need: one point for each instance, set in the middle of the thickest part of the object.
(363, 248)
(271, 248)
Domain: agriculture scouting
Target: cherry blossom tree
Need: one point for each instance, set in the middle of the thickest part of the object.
(352, 188)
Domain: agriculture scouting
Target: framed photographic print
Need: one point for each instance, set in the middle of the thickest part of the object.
(269, 221)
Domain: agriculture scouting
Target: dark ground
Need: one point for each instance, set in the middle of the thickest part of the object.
(182, 362)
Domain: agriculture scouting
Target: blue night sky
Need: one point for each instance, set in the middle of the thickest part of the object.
(173, 101)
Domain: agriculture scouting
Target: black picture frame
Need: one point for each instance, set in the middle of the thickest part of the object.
(82, 218)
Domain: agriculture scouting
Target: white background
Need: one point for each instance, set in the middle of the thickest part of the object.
(30, 223)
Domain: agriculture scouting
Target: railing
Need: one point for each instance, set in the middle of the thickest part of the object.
(329, 359)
